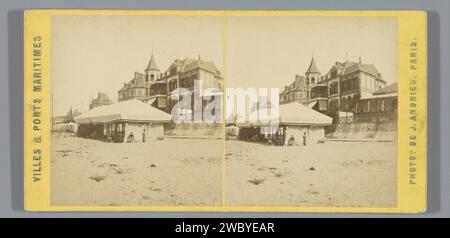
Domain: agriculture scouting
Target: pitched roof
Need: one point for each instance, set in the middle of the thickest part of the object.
(289, 114)
(297, 84)
(300, 82)
(297, 114)
(101, 98)
(191, 64)
(131, 110)
(348, 67)
(344, 66)
(312, 67)
(152, 64)
(137, 81)
(367, 68)
(392, 88)
(285, 90)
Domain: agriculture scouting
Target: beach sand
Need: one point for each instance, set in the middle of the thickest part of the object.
(177, 172)
(171, 172)
(338, 174)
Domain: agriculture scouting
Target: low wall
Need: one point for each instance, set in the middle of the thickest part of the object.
(194, 130)
(365, 130)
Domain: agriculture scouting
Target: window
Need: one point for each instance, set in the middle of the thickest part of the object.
(334, 73)
(173, 71)
(333, 87)
(172, 85)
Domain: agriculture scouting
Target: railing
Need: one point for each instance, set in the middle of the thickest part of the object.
(370, 117)
(319, 95)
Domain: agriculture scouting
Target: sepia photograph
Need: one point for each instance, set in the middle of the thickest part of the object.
(233, 111)
(336, 145)
(113, 140)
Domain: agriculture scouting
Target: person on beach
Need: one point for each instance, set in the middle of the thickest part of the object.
(291, 141)
(130, 138)
(304, 138)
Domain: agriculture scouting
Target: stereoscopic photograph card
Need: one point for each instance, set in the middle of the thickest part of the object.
(225, 111)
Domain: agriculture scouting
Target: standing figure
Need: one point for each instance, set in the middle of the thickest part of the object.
(304, 138)
(143, 135)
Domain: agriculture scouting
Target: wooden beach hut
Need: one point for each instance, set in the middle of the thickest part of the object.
(298, 120)
(294, 120)
(117, 121)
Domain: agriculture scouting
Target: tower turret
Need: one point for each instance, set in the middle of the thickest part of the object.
(152, 70)
(312, 74)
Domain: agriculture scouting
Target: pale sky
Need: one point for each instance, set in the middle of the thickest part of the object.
(269, 51)
(93, 54)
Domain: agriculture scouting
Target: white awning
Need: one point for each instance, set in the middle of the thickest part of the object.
(291, 114)
(131, 110)
(297, 114)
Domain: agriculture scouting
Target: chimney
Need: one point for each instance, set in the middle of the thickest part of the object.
(199, 58)
(360, 62)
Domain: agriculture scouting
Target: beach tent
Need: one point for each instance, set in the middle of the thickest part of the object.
(298, 114)
(118, 121)
(130, 111)
(292, 114)
(294, 119)
(299, 121)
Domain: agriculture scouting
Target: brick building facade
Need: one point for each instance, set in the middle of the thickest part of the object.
(338, 90)
(155, 86)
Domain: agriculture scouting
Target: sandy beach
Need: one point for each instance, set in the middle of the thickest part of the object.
(171, 172)
(178, 172)
(340, 174)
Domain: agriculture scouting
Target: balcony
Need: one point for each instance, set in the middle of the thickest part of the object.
(319, 91)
